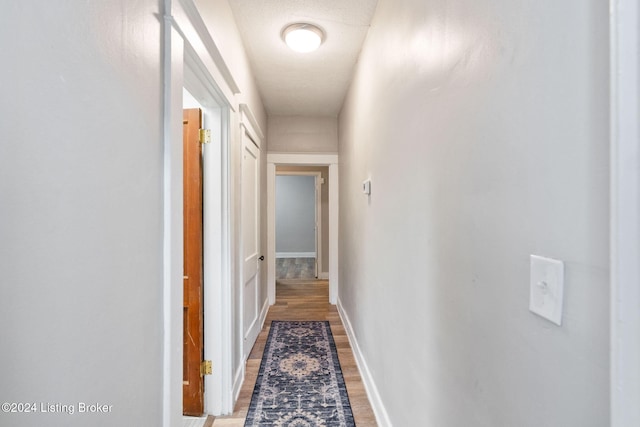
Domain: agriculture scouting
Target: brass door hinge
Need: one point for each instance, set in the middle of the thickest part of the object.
(206, 368)
(205, 136)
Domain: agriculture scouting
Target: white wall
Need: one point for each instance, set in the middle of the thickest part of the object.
(302, 134)
(81, 210)
(483, 126)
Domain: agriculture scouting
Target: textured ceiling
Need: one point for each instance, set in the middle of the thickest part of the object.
(311, 84)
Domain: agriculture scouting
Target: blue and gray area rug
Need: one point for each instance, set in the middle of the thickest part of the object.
(300, 382)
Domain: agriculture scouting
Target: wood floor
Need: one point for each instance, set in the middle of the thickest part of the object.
(304, 300)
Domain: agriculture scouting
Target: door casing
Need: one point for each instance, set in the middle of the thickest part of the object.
(295, 159)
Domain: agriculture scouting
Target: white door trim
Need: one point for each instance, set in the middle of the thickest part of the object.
(625, 212)
(172, 253)
(192, 28)
(289, 159)
(250, 124)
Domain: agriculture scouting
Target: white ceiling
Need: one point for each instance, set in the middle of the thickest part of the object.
(311, 84)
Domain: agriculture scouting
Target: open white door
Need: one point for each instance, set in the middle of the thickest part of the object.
(250, 242)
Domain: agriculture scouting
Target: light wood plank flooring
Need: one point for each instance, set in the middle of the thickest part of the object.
(304, 300)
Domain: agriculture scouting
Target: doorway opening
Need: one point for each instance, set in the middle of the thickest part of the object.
(321, 168)
(214, 250)
(302, 231)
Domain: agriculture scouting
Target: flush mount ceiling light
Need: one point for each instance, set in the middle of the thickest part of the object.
(303, 37)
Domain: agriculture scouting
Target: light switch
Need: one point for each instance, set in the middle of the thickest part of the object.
(546, 288)
(366, 187)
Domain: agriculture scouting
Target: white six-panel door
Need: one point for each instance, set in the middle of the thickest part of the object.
(250, 241)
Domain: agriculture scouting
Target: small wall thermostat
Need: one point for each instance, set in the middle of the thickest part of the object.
(366, 187)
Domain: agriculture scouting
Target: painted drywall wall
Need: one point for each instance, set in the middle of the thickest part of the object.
(324, 202)
(295, 214)
(81, 212)
(302, 134)
(483, 126)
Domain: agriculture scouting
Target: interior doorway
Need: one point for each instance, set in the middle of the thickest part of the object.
(191, 62)
(214, 244)
(300, 234)
(329, 251)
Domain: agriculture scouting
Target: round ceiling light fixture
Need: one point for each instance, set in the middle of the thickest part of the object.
(303, 37)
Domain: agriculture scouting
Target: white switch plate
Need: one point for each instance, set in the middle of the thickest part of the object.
(366, 187)
(546, 288)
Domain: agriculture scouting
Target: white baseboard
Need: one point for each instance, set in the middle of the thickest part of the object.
(237, 383)
(324, 275)
(295, 254)
(263, 313)
(379, 410)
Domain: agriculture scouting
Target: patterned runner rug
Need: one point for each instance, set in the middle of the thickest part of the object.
(300, 382)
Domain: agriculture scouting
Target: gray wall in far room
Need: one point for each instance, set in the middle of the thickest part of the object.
(295, 214)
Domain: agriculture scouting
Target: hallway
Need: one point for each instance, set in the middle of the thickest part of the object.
(304, 300)
(464, 140)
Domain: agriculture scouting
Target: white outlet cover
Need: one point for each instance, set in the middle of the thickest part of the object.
(546, 288)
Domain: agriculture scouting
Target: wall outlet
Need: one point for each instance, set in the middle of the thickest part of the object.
(546, 288)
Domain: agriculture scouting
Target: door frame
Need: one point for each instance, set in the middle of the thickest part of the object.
(624, 212)
(216, 224)
(296, 159)
(191, 60)
(318, 209)
(216, 235)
